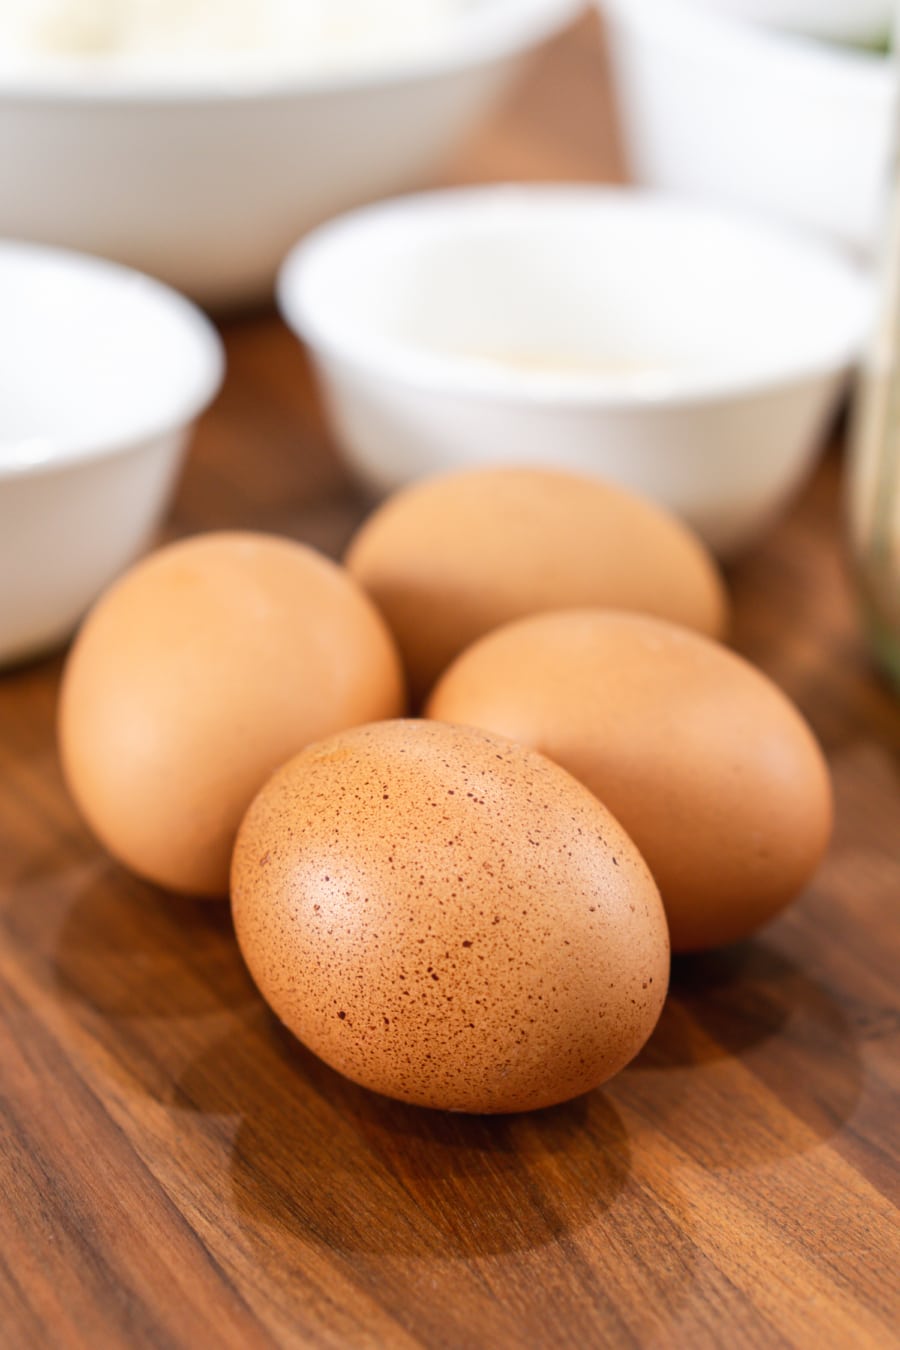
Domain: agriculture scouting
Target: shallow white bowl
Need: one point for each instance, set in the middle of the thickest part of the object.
(206, 181)
(102, 372)
(742, 114)
(690, 355)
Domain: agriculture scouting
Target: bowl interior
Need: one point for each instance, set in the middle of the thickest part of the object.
(613, 291)
(280, 49)
(93, 357)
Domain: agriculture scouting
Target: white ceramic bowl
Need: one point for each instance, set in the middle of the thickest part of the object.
(206, 182)
(102, 371)
(865, 21)
(741, 114)
(693, 356)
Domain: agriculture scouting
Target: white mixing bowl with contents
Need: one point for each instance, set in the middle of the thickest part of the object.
(102, 373)
(691, 355)
(196, 139)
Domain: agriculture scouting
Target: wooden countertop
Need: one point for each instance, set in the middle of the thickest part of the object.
(177, 1172)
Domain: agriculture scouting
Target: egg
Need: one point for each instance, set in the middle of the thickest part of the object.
(205, 667)
(708, 766)
(449, 919)
(454, 557)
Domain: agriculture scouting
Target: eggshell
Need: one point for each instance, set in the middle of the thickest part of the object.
(198, 673)
(708, 766)
(454, 557)
(449, 919)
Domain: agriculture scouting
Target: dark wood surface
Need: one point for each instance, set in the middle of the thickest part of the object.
(176, 1171)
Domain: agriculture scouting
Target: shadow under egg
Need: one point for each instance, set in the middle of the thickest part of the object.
(329, 1161)
(720, 1003)
(130, 950)
(752, 1061)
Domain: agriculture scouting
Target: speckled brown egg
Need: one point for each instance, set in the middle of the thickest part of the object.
(452, 558)
(197, 674)
(449, 919)
(712, 771)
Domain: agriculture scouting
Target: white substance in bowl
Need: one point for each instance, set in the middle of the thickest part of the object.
(152, 34)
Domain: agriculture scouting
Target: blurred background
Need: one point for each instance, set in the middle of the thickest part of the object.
(693, 340)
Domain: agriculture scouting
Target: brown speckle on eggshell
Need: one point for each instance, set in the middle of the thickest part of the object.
(449, 919)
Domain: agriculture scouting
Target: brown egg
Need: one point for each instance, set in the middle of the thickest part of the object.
(713, 773)
(450, 559)
(449, 919)
(198, 673)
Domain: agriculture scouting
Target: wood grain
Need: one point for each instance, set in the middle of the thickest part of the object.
(177, 1172)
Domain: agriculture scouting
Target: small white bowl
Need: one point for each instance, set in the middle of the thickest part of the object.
(687, 354)
(744, 115)
(102, 372)
(204, 178)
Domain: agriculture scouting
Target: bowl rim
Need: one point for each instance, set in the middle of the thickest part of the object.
(68, 452)
(684, 25)
(489, 32)
(404, 364)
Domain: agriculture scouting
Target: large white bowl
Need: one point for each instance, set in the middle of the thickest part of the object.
(693, 356)
(102, 372)
(742, 114)
(205, 182)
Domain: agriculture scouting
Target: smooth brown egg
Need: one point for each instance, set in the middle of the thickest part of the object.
(454, 557)
(449, 919)
(197, 674)
(711, 770)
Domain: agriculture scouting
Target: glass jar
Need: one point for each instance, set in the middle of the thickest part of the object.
(875, 467)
